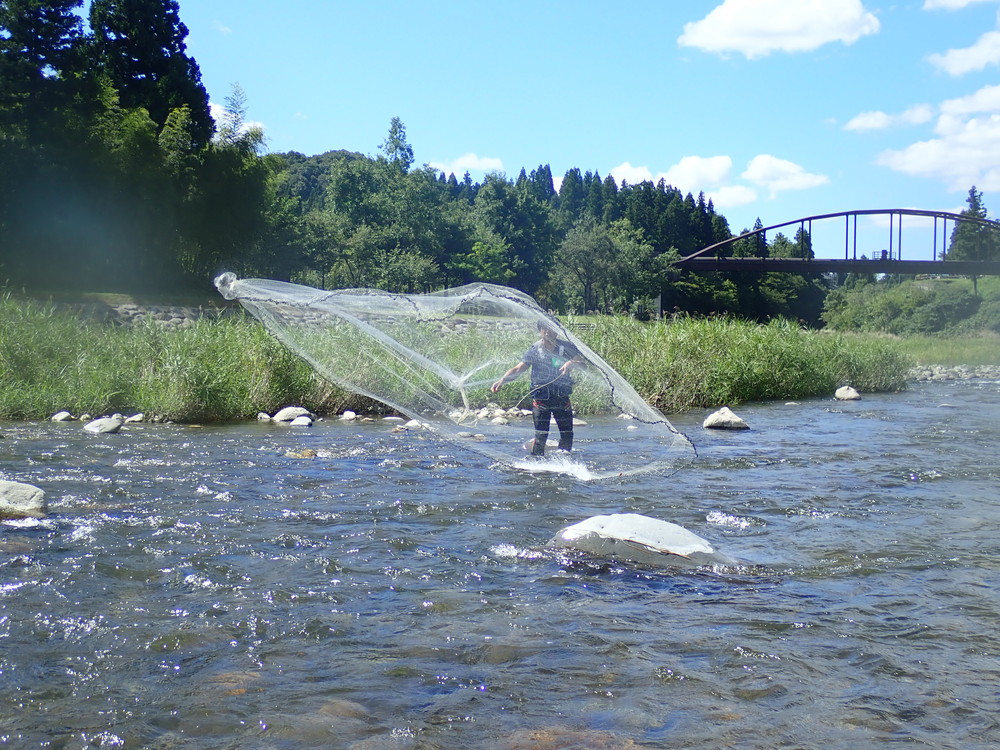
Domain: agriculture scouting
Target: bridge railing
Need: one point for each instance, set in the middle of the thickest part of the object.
(892, 253)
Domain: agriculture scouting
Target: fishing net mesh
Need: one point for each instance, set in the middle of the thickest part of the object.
(434, 357)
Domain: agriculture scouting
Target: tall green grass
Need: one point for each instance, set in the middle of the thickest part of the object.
(230, 369)
(688, 362)
(211, 371)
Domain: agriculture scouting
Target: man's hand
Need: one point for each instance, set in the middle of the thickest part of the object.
(568, 365)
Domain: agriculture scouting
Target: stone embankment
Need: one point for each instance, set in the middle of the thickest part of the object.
(133, 313)
(924, 373)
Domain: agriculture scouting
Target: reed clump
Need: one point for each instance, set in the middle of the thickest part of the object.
(212, 370)
(689, 362)
(231, 368)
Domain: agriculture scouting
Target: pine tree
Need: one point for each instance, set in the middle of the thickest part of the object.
(972, 240)
(39, 42)
(140, 46)
(396, 148)
(594, 194)
(571, 196)
(42, 129)
(761, 249)
(969, 238)
(542, 186)
(612, 204)
(803, 244)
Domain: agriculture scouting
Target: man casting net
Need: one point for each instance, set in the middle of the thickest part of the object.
(452, 359)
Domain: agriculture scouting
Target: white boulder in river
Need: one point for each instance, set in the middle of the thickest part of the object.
(290, 413)
(631, 536)
(19, 500)
(846, 393)
(105, 424)
(724, 419)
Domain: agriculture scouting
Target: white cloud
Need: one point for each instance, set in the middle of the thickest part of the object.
(869, 121)
(691, 174)
(956, 62)
(222, 29)
(916, 115)
(756, 28)
(632, 175)
(778, 175)
(694, 173)
(951, 4)
(221, 116)
(966, 153)
(888, 221)
(711, 175)
(986, 100)
(218, 112)
(966, 148)
(732, 196)
(469, 163)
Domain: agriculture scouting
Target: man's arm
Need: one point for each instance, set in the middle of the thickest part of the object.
(512, 373)
(575, 360)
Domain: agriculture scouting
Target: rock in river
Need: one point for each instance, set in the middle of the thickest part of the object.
(724, 419)
(19, 500)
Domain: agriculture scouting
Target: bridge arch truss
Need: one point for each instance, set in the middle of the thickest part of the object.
(891, 260)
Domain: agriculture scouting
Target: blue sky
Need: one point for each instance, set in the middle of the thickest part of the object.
(776, 109)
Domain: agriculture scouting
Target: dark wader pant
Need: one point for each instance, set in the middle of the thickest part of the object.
(543, 410)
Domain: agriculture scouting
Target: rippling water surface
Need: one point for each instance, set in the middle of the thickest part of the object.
(196, 587)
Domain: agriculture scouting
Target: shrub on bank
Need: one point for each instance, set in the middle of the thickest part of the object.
(915, 307)
(231, 368)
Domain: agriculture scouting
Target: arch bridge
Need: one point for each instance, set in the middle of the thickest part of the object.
(889, 260)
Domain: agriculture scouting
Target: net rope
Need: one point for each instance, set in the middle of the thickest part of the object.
(434, 357)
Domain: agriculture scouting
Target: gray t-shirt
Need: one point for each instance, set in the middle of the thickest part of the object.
(546, 380)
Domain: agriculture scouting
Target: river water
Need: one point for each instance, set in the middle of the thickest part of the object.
(196, 587)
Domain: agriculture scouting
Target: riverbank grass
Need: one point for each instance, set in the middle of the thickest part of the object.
(698, 362)
(952, 351)
(212, 370)
(231, 368)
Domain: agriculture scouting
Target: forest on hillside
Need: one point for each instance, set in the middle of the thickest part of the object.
(117, 178)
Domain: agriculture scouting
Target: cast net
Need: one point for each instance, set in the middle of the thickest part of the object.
(434, 357)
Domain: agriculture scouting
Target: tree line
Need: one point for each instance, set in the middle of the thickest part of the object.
(116, 177)
(115, 174)
(591, 245)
